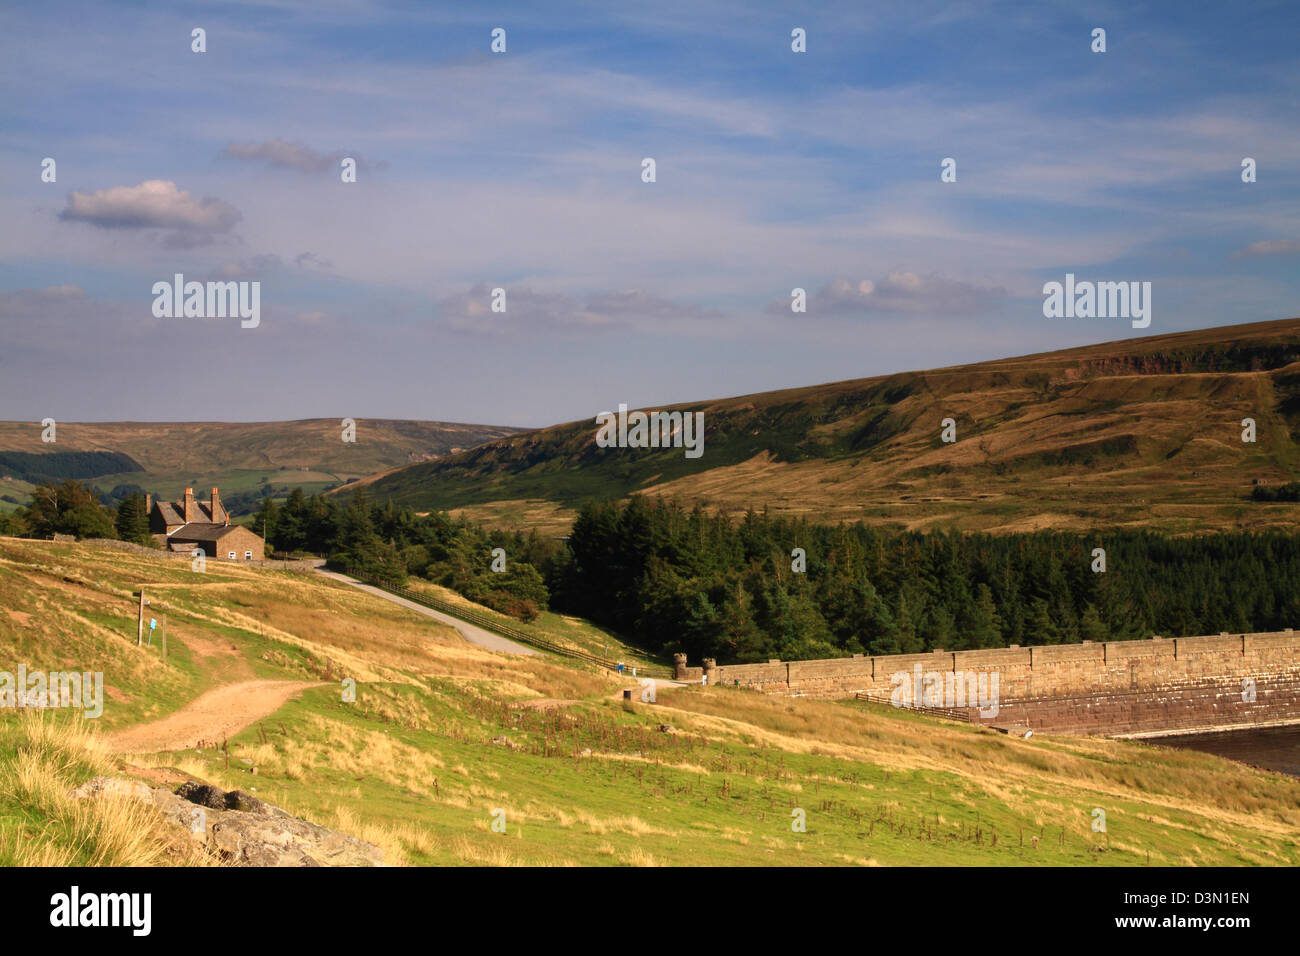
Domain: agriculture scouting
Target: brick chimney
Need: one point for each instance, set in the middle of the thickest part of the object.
(148, 504)
(189, 506)
(216, 508)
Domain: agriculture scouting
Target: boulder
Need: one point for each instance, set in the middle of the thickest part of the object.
(111, 787)
(239, 829)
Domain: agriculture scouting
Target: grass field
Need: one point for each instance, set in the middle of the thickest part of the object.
(445, 738)
(20, 491)
(559, 629)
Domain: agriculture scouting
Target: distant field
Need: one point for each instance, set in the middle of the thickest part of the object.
(230, 482)
(20, 490)
(237, 457)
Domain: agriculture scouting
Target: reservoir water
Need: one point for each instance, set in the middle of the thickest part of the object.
(1273, 748)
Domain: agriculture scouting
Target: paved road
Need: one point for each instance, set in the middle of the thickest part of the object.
(659, 682)
(471, 633)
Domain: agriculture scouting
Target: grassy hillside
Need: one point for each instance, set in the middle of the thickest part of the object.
(1143, 432)
(444, 735)
(167, 457)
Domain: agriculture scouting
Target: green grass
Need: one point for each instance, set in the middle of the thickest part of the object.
(17, 489)
(562, 629)
(647, 796)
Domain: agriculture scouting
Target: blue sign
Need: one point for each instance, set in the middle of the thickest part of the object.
(152, 624)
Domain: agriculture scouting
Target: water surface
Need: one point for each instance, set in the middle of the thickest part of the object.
(1273, 748)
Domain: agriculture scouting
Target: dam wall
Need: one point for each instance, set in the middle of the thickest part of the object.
(1112, 687)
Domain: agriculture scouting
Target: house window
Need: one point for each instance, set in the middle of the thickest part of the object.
(232, 555)
(248, 555)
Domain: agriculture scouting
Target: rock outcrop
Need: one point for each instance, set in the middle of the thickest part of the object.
(238, 828)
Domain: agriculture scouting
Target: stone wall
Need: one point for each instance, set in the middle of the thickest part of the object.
(307, 564)
(1111, 687)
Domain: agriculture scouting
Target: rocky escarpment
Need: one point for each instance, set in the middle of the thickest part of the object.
(237, 828)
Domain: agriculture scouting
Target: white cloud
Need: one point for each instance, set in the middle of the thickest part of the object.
(154, 204)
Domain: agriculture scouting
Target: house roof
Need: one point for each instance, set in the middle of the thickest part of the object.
(204, 531)
(173, 512)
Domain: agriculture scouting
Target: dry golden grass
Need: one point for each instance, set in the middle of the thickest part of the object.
(63, 831)
(396, 840)
(633, 826)
(639, 857)
(340, 630)
(482, 852)
(528, 514)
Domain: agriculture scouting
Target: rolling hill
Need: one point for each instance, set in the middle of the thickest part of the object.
(1141, 432)
(239, 457)
(443, 739)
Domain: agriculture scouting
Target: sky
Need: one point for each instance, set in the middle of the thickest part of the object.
(523, 170)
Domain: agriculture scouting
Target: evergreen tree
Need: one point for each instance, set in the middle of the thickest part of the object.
(1042, 629)
(1092, 627)
(986, 623)
(132, 520)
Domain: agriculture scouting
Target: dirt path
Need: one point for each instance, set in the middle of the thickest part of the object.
(217, 715)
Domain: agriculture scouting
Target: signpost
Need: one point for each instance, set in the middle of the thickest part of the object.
(139, 636)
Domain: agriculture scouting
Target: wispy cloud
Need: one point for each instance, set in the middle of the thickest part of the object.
(282, 155)
(528, 309)
(1270, 247)
(898, 292)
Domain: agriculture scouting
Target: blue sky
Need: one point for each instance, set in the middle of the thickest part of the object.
(521, 170)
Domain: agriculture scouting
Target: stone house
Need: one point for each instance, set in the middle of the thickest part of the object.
(189, 524)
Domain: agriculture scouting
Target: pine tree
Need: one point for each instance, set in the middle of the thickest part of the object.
(1092, 627)
(1042, 629)
(986, 623)
(132, 521)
